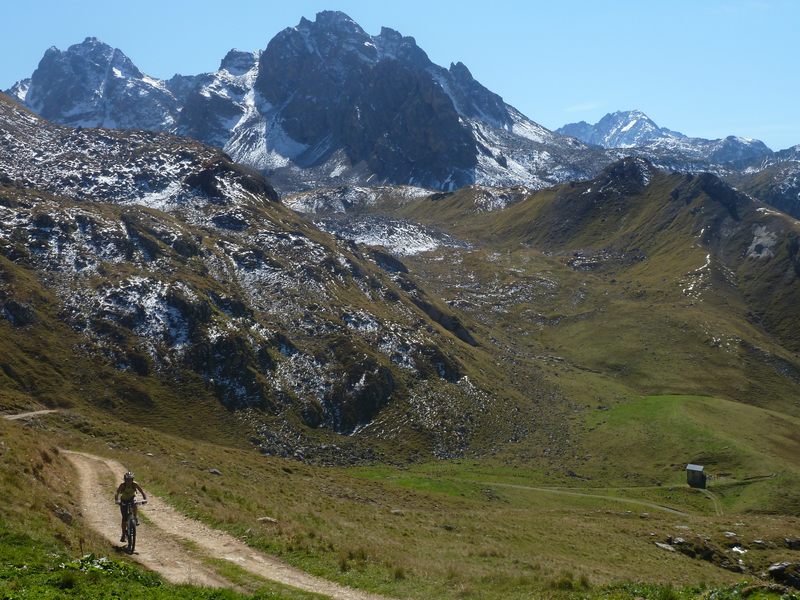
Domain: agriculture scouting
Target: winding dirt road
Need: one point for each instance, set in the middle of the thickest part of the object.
(160, 540)
(565, 492)
(33, 413)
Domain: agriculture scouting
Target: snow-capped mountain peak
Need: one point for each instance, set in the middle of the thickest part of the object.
(325, 103)
(621, 129)
(635, 133)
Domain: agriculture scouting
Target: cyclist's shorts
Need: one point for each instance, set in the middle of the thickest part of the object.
(125, 508)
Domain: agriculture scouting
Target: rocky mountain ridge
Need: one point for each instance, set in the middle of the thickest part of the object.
(773, 177)
(324, 102)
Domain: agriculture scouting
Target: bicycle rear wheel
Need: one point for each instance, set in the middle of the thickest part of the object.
(131, 535)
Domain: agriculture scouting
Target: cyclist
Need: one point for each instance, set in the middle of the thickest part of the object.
(124, 496)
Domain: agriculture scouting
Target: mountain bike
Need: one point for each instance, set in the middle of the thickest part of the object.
(130, 528)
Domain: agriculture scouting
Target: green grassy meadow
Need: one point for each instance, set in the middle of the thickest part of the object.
(447, 529)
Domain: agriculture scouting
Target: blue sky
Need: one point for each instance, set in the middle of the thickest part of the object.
(708, 68)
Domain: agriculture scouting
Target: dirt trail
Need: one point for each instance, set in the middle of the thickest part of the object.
(717, 504)
(34, 413)
(97, 480)
(157, 552)
(565, 492)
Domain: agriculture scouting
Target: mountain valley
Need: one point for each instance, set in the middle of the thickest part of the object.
(352, 311)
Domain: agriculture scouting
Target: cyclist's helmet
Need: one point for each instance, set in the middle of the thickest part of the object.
(128, 476)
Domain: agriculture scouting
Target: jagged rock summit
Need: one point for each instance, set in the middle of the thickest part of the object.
(92, 84)
(328, 105)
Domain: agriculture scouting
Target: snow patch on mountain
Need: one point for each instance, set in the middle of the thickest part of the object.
(402, 238)
(763, 244)
(351, 198)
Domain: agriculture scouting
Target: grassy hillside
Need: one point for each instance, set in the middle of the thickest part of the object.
(623, 292)
(665, 287)
(496, 532)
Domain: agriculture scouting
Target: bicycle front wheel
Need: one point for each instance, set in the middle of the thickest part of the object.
(131, 536)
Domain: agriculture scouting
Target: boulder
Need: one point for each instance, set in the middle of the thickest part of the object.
(786, 573)
(63, 514)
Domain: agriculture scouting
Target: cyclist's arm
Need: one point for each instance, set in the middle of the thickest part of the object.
(141, 491)
(116, 495)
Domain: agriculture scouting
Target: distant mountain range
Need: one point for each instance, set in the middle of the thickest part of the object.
(634, 129)
(774, 177)
(326, 104)
(324, 101)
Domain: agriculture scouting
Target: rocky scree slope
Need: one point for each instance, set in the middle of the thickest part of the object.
(324, 102)
(168, 263)
(364, 214)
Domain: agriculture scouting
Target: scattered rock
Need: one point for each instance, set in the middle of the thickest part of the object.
(63, 514)
(397, 511)
(644, 515)
(786, 573)
(215, 471)
(792, 543)
(18, 314)
(664, 546)
(729, 534)
(702, 549)
(267, 520)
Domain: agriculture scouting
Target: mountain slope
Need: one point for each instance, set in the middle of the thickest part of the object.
(93, 85)
(593, 272)
(774, 179)
(172, 267)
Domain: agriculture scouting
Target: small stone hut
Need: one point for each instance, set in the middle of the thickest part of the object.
(695, 476)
